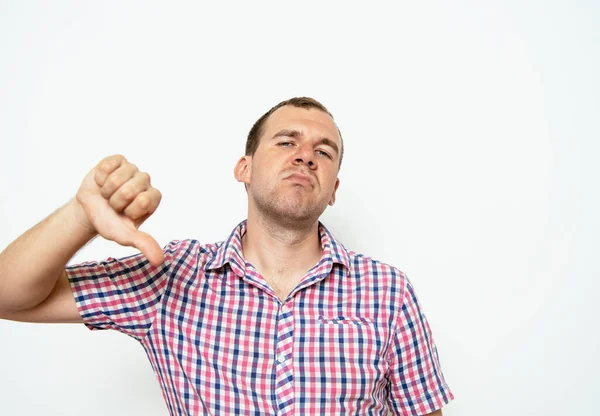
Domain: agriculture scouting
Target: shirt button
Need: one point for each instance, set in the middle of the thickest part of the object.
(281, 358)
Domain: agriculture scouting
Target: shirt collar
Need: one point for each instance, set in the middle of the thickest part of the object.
(230, 250)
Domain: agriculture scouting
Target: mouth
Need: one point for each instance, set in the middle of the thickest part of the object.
(301, 179)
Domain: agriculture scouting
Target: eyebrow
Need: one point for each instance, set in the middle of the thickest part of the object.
(297, 133)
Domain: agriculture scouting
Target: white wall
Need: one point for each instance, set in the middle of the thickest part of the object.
(471, 133)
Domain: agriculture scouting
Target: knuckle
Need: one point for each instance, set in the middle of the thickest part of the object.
(134, 215)
(114, 181)
(109, 163)
(143, 201)
(144, 176)
(104, 167)
(116, 204)
(127, 193)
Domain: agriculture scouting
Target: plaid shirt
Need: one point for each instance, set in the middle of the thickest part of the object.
(349, 339)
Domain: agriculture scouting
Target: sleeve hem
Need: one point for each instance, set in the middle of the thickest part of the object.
(78, 303)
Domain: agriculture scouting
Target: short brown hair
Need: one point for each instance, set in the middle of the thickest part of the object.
(301, 102)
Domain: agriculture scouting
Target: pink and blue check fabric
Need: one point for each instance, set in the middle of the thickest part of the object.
(350, 339)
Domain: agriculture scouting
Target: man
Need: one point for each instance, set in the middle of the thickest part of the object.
(278, 319)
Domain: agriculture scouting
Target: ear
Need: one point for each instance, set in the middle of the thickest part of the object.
(242, 169)
(332, 199)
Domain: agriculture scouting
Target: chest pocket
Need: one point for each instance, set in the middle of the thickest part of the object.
(342, 355)
(348, 347)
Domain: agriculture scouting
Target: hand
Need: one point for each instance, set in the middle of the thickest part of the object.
(117, 198)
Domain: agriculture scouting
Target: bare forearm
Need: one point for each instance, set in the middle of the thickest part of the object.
(31, 265)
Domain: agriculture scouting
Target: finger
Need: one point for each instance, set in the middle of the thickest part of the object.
(144, 204)
(107, 166)
(149, 247)
(117, 178)
(129, 191)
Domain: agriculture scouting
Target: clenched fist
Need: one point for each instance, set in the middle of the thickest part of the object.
(117, 198)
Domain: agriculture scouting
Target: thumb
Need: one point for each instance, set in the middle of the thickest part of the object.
(148, 246)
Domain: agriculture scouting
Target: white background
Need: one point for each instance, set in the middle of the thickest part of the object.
(472, 139)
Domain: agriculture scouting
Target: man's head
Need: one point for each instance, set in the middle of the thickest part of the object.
(257, 129)
(292, 159)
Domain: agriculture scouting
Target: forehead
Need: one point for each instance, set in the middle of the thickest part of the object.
(310, 121)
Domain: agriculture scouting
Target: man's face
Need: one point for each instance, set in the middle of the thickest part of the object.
(292, 177)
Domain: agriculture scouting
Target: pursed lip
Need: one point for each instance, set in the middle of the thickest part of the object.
(300, 178)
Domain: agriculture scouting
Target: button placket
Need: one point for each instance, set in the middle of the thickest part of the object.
(283, 360)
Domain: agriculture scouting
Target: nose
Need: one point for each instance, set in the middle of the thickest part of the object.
(305, 154)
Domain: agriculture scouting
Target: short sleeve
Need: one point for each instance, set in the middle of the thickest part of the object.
(123, 294)
(417, 385)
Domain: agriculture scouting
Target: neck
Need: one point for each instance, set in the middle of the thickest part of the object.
(279, 250)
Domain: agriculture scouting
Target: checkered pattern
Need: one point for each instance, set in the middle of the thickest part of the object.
(349, 339)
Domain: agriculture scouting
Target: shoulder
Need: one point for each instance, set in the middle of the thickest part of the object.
(368, 266)
(377, 274)
(188, 249)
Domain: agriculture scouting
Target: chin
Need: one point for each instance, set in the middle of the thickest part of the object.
(302, 214)
(289, 210)
(292, 216)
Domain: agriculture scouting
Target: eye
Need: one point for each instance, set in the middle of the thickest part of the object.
(285, 144)
(323, 153)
